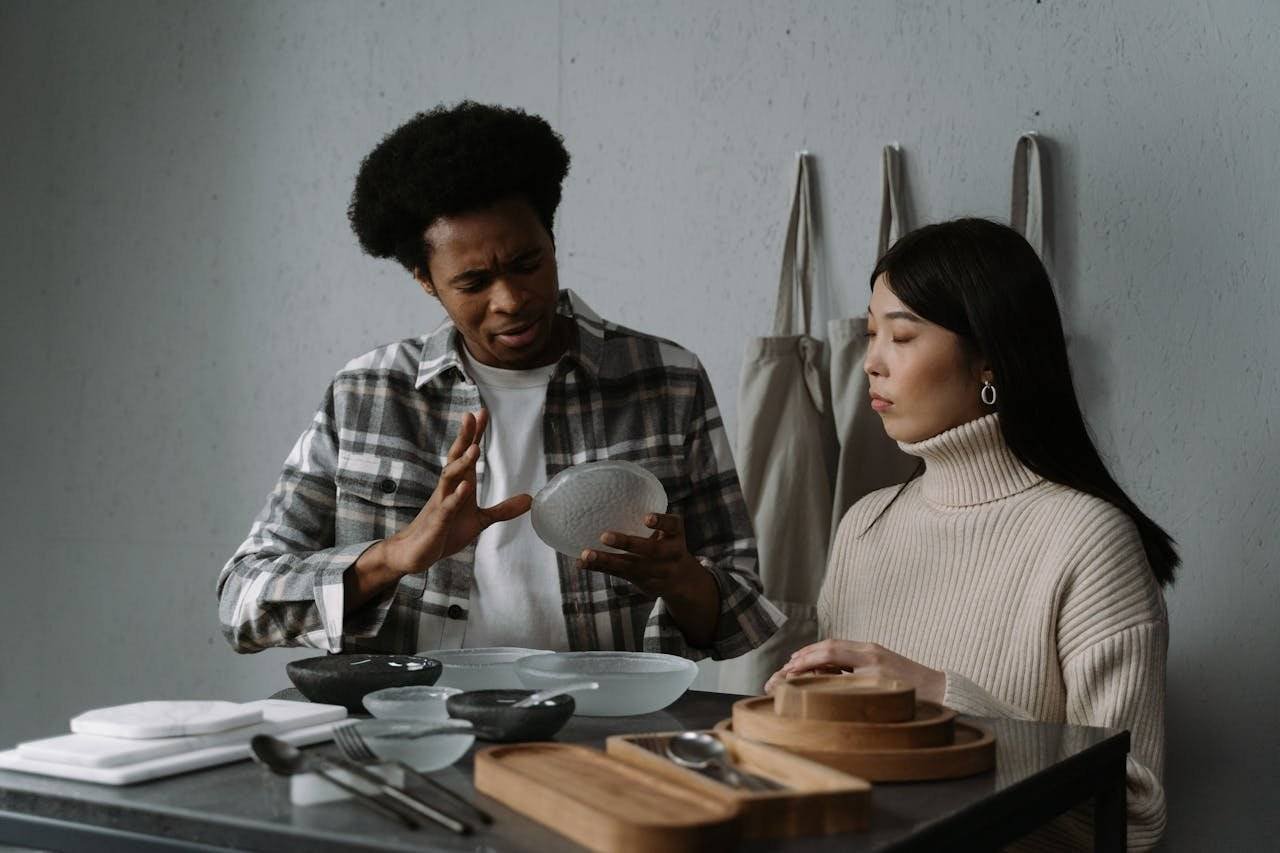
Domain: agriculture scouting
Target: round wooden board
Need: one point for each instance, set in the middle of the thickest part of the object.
(847, 698)
(754, 719)
(973, 752)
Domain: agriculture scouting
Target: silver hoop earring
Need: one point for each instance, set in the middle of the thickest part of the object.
(988, 393)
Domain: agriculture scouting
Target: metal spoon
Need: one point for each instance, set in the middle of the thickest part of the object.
(285, 759)
(700, 750)
(552, 692)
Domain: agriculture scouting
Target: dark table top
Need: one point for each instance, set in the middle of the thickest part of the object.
(243, 806)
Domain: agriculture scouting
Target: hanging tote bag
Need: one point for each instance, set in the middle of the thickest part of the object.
(1026, 209)
(786, 454)
(869, 459)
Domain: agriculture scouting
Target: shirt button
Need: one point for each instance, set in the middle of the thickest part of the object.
(388, 486)
(454, 611)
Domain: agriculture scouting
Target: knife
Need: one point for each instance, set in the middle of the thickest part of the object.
(403, 798)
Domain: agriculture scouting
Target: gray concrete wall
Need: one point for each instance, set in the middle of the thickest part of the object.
(179, 281)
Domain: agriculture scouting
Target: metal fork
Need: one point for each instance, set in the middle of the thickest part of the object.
(352, 744)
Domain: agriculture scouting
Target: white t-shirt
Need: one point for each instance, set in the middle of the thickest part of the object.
(515, 588)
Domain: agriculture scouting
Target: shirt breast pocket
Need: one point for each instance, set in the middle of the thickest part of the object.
(378, 495)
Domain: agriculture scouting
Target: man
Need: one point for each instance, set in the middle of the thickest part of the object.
(399, 522)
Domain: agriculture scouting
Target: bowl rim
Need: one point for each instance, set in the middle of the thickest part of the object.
(440, 655)
(681, 664)
(464, 727)
(444, 692)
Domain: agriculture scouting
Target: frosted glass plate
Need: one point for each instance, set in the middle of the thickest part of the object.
(630, 682)
(580, 503)
(481, 668)
(418, 744)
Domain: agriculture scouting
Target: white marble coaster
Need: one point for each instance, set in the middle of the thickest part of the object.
(141, 720)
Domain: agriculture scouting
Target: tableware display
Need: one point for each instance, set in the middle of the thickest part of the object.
(497, 719)
(346, 679)
(420, 702)
(630, 682)
(847, 698)
(422, 746)
(580, 503)
(803, 797)
(602, 803)
(482, 668)
(165, 719)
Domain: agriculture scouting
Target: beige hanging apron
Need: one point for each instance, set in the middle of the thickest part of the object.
(786, 454)
(869, 459)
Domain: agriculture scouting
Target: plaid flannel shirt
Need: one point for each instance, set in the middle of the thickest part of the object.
(373, 454)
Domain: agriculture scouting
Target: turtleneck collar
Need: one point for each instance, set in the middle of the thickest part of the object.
(970, 465)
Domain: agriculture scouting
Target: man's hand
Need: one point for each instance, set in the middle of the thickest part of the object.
(661, 566)
(451, 519)
(448, 522)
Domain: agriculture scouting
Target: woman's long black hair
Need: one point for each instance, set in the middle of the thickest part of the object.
(984, 282)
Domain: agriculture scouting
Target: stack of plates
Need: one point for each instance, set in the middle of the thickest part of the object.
(867, 727)
(146, 740)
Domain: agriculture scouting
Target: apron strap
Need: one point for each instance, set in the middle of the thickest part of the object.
(797, 259)
(891, 222)
(1026, 210)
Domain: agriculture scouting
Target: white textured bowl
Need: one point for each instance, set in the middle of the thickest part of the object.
(408, 741)
(582, 502)
(491, 668)
(630, 682)
(410, 703)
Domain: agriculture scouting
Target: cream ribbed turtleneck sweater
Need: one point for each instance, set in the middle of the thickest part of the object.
(1035, 599)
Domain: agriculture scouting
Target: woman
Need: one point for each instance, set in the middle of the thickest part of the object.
(1013, 577)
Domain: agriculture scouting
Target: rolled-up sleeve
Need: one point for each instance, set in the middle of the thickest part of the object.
(718, 532)
(284, 585)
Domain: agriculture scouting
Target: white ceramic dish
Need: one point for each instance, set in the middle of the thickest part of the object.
(410, 703)
(630, 682)
(418, 744)
(582, 502)
(490, 668)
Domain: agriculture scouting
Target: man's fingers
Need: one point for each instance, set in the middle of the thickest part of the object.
(671, 525)
(618, 565)
(512, 507)
(482, 421)
(459, 469)
(641, 547)
(463, 439)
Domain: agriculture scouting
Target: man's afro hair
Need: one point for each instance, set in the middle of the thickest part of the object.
(450, 161)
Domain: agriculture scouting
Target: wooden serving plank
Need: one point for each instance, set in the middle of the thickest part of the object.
(847, 698)
(754, 719)
(817, 800)
(601, 803)
(973, 752)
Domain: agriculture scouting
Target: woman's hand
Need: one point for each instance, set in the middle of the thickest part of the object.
(863, 659)
(451, 519)
(662, 567)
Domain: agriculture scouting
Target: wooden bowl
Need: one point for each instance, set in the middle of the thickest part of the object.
(847, 698)
(754, 719)
(973, 752)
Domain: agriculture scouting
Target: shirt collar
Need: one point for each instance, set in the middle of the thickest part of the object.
(440, 351)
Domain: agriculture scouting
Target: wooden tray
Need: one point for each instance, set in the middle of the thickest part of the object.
(848, 698)
(973, 752)
(754, 718)
(817, 801)
(602, 803)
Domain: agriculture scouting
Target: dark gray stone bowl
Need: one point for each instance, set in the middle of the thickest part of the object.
(495, 720)
(344, 680)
